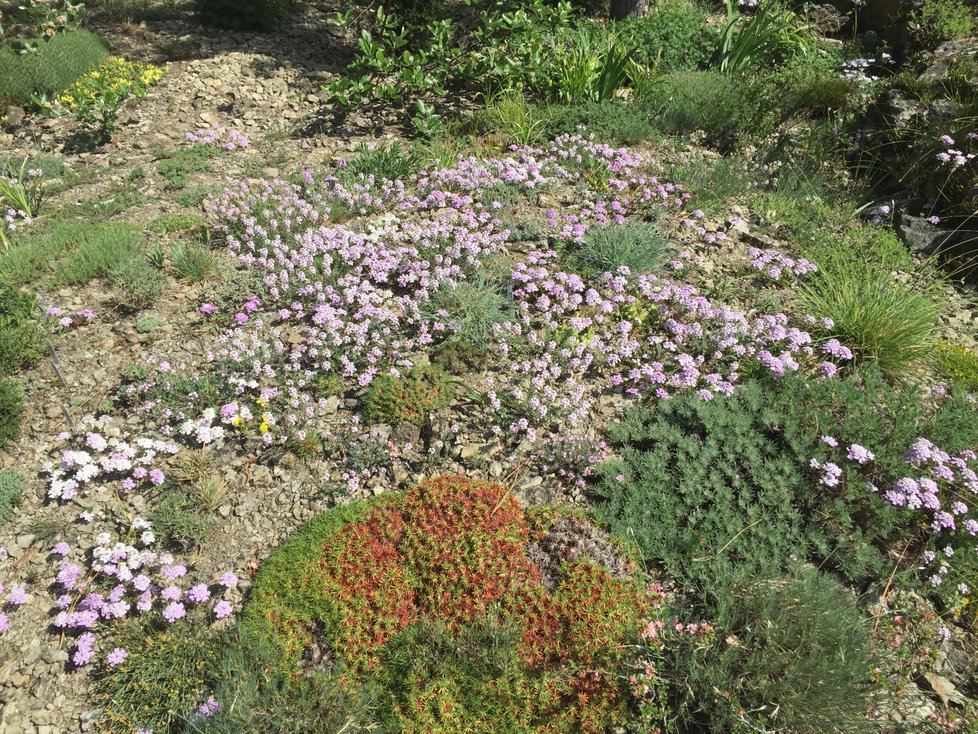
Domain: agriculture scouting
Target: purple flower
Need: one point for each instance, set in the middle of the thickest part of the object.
(17, 595)
(116, 657)
(4, 622)
(61, 549)
(174, 611)
(830, 440)
(209, 707)
(859, 454)
(228, 580)
(198, 594)
(208, 308)
(83, 650)
(223, 609)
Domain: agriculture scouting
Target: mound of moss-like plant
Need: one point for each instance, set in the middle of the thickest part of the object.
(409, 397)
(430, 600)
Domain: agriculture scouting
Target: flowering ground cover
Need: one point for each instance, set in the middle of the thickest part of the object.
(642, 426)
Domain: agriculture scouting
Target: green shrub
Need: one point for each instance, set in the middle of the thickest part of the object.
(54, 67)
(473, 306)
(11, 486)
(711, 488)
(408, 398)
(935, 21)
(21, 341)
(613, 121)
(136, 283)
(256, 15)
(675, 36)
(100, 249)
(635, 245)
(161, 680)
(714, 489)
(790, 653)
(687, 101)
(878, 318)
(268, 703)
(958, 364)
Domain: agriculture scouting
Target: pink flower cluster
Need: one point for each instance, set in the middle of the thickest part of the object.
(775, 264)
(953, 157)
(65, 320)
(98, 451)
(229, 139)
(569, 457)
(124, 576)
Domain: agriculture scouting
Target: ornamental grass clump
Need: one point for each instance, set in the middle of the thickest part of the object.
(880, 319)
(429, 599)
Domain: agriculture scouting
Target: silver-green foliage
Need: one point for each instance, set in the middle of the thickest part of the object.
(11, 488)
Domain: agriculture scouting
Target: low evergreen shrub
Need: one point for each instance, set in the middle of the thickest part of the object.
(410, 398)
(790, 653)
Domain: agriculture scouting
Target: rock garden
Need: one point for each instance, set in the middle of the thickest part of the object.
(491, 366)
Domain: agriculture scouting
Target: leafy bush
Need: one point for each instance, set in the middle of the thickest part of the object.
(635, 245)
(409, 397)
(674, 36)
(94, 98)
(100, 249)
(613, 121)
(21, 341)
(934, 21)
(256, 15)
(162, 678)
(400, 589)
(11, 484)
(790, 652)
(699, 100)
(878, 318)
(957, 363)
(52, 68)
(591, 64)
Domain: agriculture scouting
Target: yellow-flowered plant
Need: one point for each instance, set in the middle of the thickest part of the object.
(96, 97)
(958, 364)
